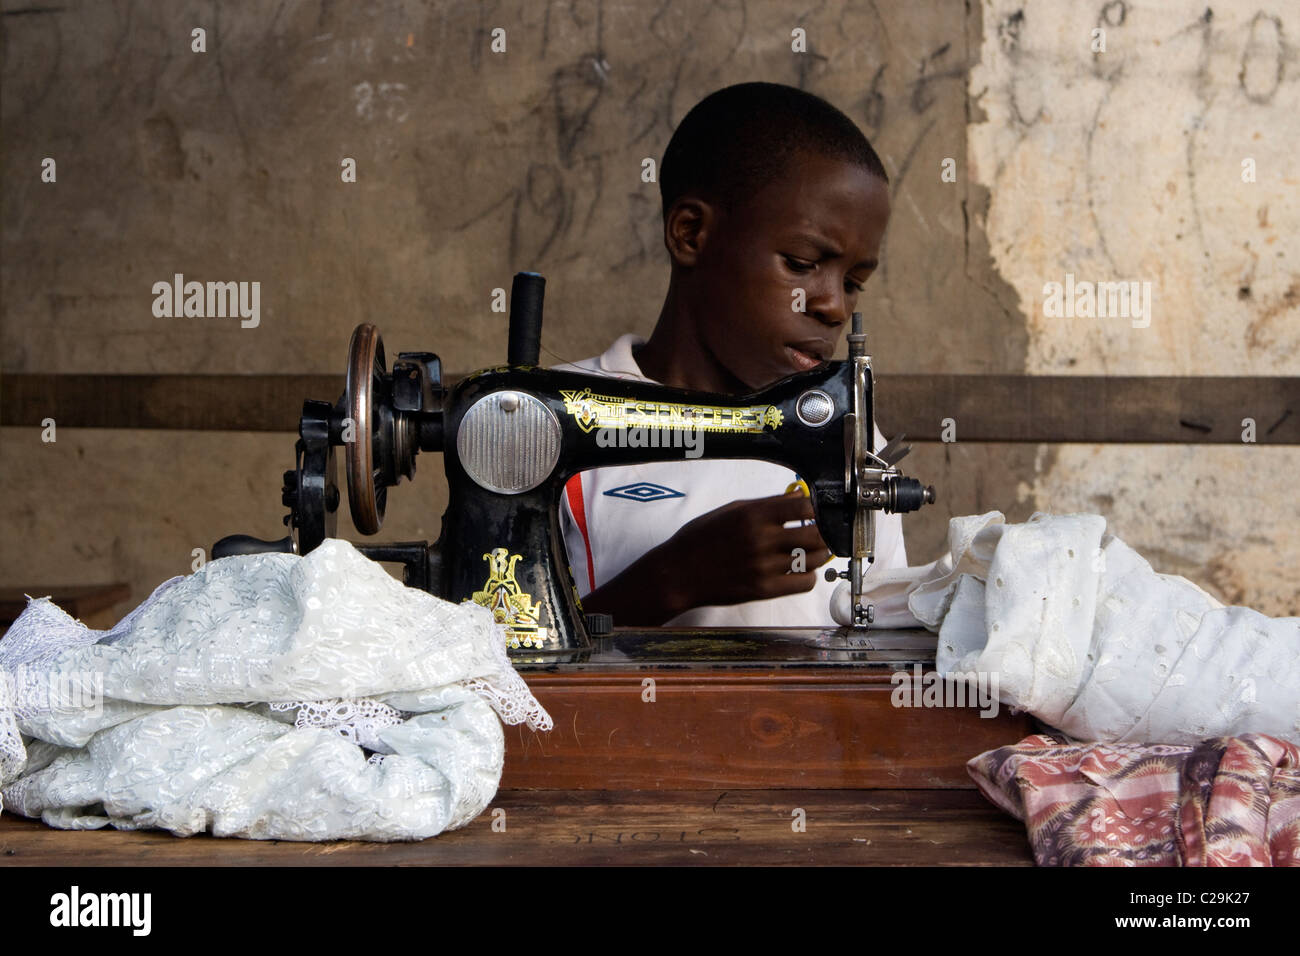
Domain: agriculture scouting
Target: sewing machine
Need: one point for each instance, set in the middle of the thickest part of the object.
(512, 436)
(648, 708)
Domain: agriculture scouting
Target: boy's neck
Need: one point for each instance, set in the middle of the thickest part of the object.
(675, 354)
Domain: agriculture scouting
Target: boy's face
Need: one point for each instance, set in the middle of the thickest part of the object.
(817, 228)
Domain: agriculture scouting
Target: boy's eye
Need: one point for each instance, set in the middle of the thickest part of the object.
(799, 265)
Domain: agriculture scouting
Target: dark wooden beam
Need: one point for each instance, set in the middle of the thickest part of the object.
(253, 403)
(1010, 408)
(81, 601)
(1067, 408)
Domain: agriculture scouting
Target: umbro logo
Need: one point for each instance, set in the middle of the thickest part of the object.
(644, 491)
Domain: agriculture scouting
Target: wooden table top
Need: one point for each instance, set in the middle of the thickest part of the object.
(628, 828)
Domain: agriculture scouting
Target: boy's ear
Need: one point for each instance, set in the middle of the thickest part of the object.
(688, 227)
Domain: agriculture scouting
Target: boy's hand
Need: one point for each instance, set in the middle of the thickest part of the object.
(740, 552)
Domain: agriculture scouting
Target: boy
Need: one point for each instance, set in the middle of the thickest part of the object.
(766, 189)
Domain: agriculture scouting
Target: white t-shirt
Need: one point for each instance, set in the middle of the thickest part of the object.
(611, 516)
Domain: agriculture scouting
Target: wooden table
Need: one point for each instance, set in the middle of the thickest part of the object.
(585, 828)
(742, 731)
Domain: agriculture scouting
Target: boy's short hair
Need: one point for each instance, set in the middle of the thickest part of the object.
(738, 139)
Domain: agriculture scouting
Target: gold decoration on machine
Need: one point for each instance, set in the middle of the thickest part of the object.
(591, 411)
(510, 605)
(495, 370)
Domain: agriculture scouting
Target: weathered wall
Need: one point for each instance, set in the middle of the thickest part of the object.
(1128, 165)
(472, 165)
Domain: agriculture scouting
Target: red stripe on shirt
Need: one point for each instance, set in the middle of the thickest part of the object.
(573, 488)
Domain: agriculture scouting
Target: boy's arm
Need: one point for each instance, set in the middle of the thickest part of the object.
(643, 595)
(738, 553)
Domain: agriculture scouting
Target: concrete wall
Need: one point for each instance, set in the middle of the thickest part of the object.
(225, 165)
(1127, 165)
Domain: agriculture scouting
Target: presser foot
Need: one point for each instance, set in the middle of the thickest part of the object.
(863, 616)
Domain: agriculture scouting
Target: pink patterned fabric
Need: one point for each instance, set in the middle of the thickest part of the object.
(1227, 801)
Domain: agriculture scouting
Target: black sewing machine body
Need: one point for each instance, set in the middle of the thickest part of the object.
(518, 540)
(512, 436)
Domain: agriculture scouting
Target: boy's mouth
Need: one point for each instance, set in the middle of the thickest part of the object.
(805, 355)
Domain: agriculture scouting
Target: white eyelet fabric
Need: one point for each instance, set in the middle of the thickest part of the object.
(243, 699)
(1083, 633)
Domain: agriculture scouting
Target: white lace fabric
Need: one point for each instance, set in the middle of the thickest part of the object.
(1083, 633)
(241, 699)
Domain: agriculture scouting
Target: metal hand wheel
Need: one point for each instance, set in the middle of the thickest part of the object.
(367, 375)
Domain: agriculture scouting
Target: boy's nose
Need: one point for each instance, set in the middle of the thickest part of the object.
(831, 308)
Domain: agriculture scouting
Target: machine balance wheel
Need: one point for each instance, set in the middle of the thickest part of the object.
(366, 375)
